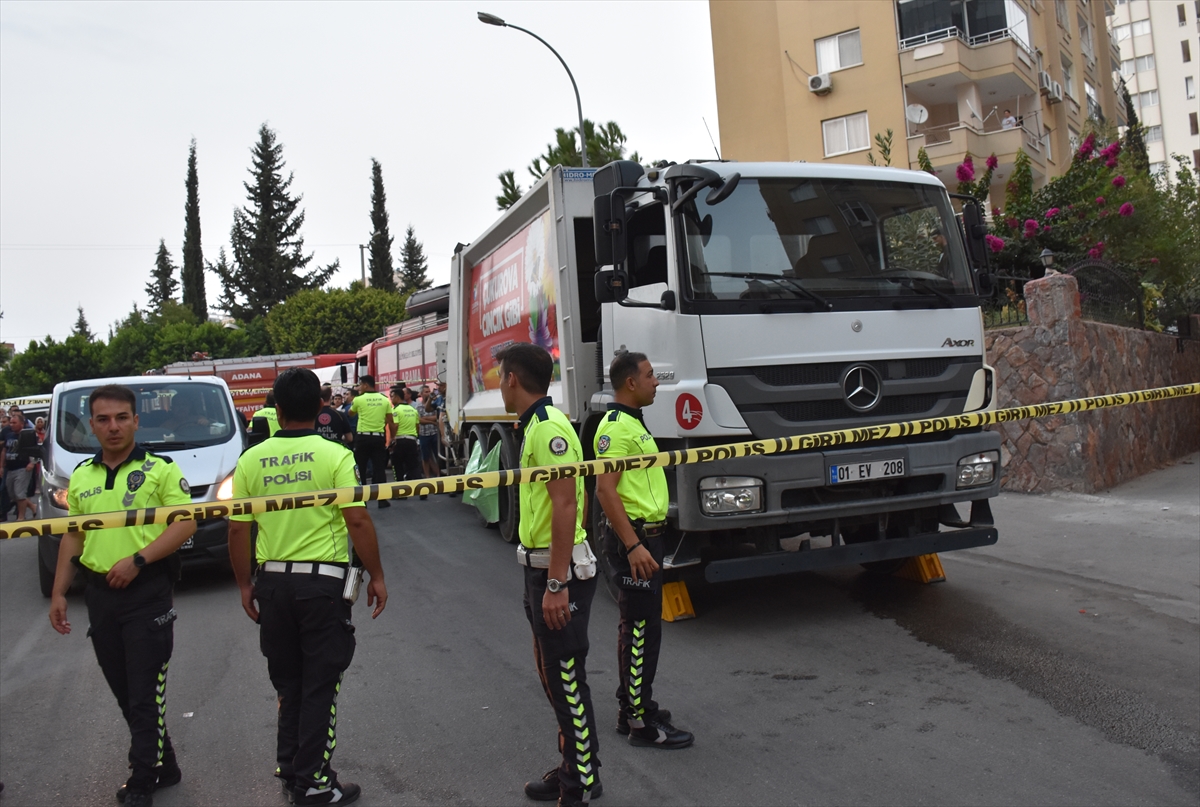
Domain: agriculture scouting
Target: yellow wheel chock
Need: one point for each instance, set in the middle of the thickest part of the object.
(922, 569)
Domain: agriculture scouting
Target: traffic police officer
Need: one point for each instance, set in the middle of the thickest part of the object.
(130, 574)
(374, 413)
(406, 451)
(265, 422)
(557, 606)
(305, 630)
(635, 513)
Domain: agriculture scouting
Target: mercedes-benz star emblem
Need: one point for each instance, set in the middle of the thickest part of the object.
(862, 387)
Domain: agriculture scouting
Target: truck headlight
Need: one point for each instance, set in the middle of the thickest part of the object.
(225, 490)
(57, 494)
(724, 495)
(977, 469)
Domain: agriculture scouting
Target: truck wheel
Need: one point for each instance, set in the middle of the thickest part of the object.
(45, 577)
(479, 436)
(510, 496)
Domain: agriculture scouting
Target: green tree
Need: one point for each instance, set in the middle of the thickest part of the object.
(162, 285)
(194, 296)
(413, 265)
(1134, 141)
(884, 144)
(605, 144)
(130, 343)
(333, 320)
(44, 364)
(81, 327)
(383, 275)
(268, 249)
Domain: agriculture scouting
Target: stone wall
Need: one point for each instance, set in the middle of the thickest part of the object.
(1060, 356)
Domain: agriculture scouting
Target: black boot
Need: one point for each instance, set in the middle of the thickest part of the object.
(658, 733)
(547, 789)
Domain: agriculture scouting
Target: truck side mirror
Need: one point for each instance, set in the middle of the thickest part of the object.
(975, 229)
(342, 372)
(603, 285)
(609, 225)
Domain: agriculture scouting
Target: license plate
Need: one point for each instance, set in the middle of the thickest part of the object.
(188, 544)
(865, 471)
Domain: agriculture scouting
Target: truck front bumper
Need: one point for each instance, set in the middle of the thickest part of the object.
(796, 489)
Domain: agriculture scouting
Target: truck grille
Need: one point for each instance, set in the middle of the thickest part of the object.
(783, 400)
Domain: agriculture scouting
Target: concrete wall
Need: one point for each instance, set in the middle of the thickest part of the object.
(1060, 356)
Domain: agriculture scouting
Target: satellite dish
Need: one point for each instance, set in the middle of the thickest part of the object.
(916, 113)
(971, 107)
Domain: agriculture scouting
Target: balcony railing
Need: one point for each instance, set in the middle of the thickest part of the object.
(954, 32)
(1094, 111)
(944, 133)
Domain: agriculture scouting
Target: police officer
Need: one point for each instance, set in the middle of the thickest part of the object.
(557, 602)
(332, 424)
(130, 574)
(305, 630)
(374, 413)
(635, 513)
(406, 452)
(265, 422)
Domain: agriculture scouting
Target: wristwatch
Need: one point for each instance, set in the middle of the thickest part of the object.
(555, 586)
(138, 560)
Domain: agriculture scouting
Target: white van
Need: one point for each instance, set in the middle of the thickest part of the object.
(190, 420)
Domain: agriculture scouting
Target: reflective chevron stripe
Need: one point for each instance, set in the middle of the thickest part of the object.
(583, 742)
(637, 661)
(321, 777)
(160, 699)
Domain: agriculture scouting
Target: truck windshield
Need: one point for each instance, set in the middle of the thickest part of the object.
(170, 416)
(820, 240)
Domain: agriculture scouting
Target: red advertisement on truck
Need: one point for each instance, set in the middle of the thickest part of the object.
(513, 299)
(251, 378)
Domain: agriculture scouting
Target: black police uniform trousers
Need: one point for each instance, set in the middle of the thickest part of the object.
(639, 633)
(561, 657)
(133, 633)
(307, 636)
(406, 459)
(370, 454)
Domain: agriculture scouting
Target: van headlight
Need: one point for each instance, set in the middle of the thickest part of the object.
(225, 490)
(977, 469)
(725, 495)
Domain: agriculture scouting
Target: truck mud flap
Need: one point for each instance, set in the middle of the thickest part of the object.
(721, 571)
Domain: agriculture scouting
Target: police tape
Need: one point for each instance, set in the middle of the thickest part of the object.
(522, 476)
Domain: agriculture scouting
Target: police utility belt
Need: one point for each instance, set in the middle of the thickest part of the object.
(406, 437)
(352, 574)
(583, 562)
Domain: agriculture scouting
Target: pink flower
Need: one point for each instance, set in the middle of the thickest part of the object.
(1126, 210)
(992, 162)
(1011, 224)
(1031, 228)
(1154, 260)
(1046, 228)
(995, 212)
(965, 172)
(1097, 251)
(1100, 201)
(1111, 162)
(1119, 181)
(1052, 212)
(1087, 147)
(996, 244)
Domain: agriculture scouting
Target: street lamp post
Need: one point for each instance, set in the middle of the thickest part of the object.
(362, 260)
(492, 19)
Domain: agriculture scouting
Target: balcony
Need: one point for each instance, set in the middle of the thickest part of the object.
(948, 144)
(948, 51)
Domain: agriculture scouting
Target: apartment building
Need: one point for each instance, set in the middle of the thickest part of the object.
(1160, 62)
(816, 80)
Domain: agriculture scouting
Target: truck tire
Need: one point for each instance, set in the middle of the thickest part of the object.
(510, 496)
(479, 436)
(45, 577)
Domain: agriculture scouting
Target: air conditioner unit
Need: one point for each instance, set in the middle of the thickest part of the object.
(1056, 93)
(1044, 81)
(820, 84)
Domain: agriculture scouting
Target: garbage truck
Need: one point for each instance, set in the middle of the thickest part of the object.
(773, 300)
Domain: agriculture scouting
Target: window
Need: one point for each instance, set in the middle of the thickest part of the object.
(1141, 28)
(1127, 67)
(1189, 86)
(1068, 76)
(1090, 91)
(1196, 159)
(1085, 37)
(839, 52)
(1073, 140)
(843, 135)
(1157, 168)
(1145, 99)
(1046, 143)
(1145, 63)
(1121, 33)
(1186, 47)
(1181, 10)
(1153, 134)
(1192, 118)
(1060, 11)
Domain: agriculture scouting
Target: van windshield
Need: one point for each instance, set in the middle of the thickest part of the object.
(171, 416)
(784, 239)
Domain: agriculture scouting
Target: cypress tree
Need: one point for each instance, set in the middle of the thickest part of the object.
(162, 285)
(82, 328)
(1135, 136)
(382, 272)
(413, 264)
(193, 256)
(268, 250)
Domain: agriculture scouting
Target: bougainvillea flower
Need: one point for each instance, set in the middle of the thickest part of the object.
(1087, 146)
(1012, 224)
(1031, 228)
(992, 162)
(1126, 210)
(1119, 181)
(965, 172)
(1052, 212)
(1046, 228)
(996, 244)
(1100, 201)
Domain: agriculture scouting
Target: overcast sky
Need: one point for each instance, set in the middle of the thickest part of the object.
(98, 102)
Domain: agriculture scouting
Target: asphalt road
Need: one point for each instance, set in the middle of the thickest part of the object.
(1058, 667)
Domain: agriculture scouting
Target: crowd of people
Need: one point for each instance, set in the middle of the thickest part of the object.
(20, 463)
